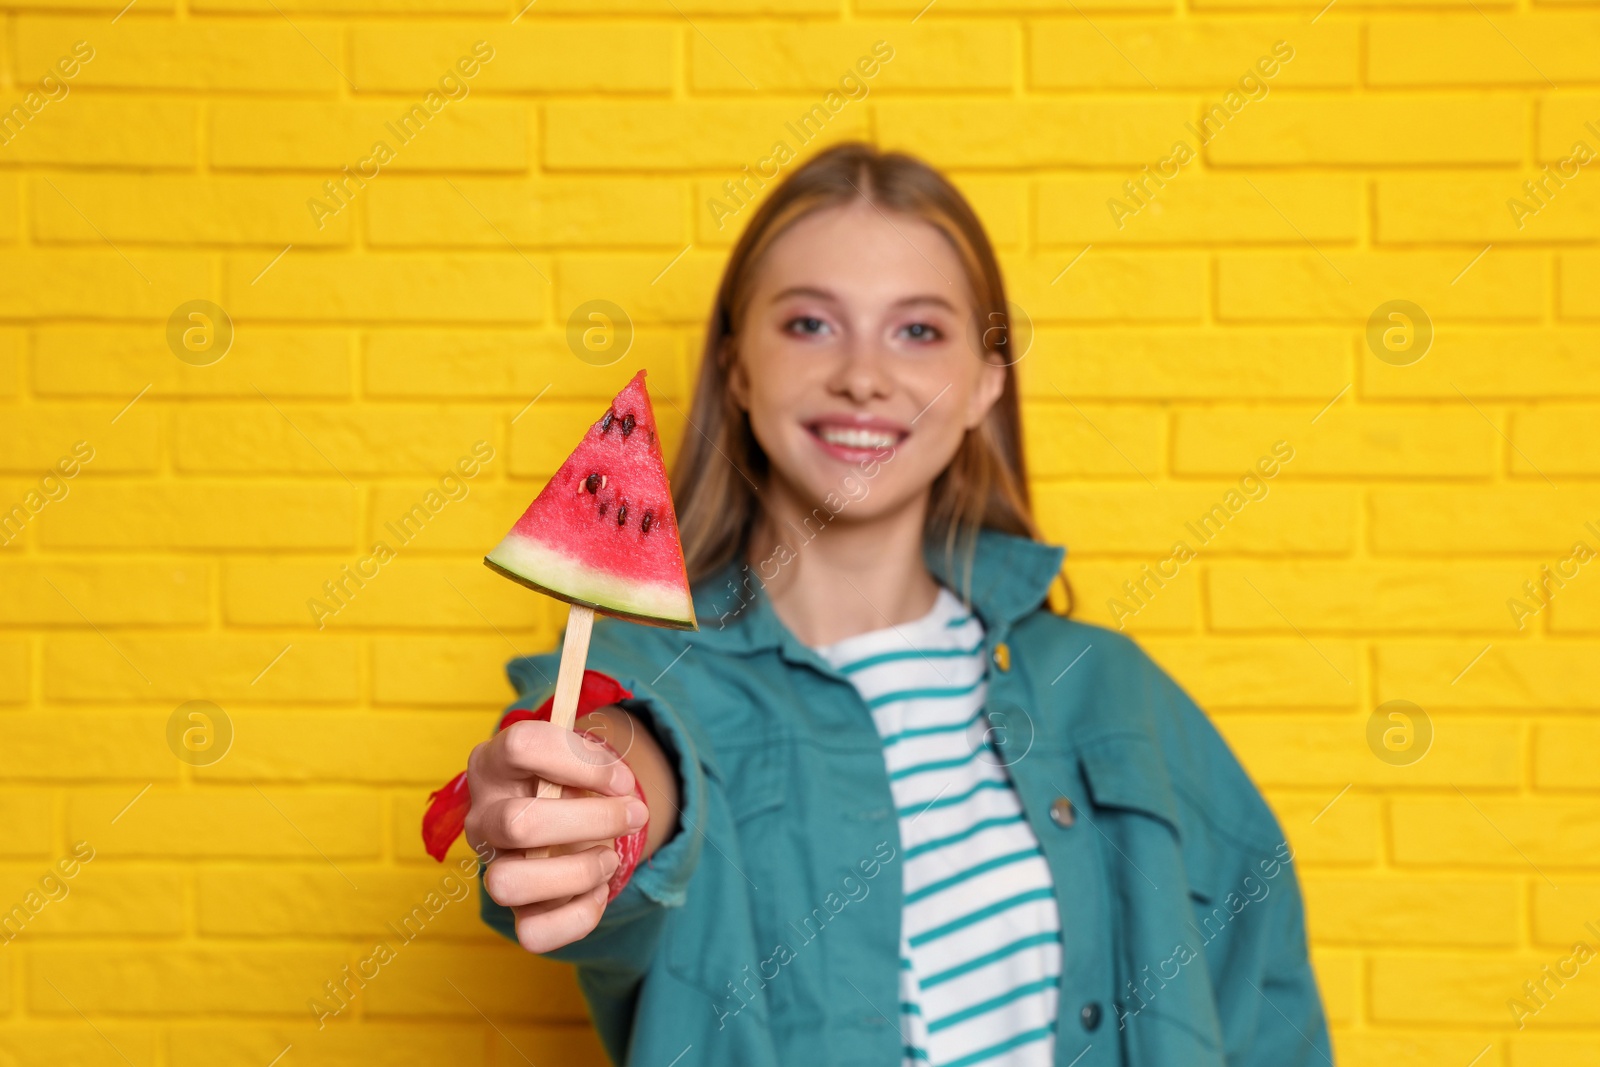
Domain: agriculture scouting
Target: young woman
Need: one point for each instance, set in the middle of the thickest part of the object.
(899, 810)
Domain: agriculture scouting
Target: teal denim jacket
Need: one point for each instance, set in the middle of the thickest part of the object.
(765, 932)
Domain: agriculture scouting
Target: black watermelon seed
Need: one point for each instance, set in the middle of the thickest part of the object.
(603, 506)
(592, 483)
(627, 424)
(644, 525)
(605, 422)
(622, 514)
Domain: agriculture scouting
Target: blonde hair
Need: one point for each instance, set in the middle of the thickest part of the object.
(720, 461)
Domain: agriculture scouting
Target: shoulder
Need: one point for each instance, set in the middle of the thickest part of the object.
(1112, 687)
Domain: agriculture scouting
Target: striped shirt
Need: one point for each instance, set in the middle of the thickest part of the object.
(980, 940)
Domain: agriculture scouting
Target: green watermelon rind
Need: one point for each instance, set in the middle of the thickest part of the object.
(602, 592)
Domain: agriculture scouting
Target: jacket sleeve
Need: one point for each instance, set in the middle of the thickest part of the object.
(614, 957)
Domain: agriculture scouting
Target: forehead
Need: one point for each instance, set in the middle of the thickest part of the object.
(866, 255)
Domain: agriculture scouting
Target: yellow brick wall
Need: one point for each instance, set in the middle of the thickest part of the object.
(1177, 339)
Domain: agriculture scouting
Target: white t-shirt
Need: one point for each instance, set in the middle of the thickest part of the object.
(980, 941)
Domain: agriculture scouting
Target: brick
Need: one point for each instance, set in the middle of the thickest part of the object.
(37, 439)
(502, 982)
(317, 826)
(1415, 1049)
(1363, 597)
(1563, 756)
(1191, 208)
(1037, 133)
(569, 1044)
(108, 745)
(1299, 750)
(1549, 674)
(1374, 130)
(174, 210)
(100, 284)
(911, 7)
(407, 593)
(199, 55)
(1554, 1051)
(1580, 285)
(1349, 286)
(36, 1044)
(528, 57)
(1467, 50)
(1162, 365)
(327, 440)
(1066, 440)
(611, 135)
(1487, 362)
(127, 592)
(1564, 119)
(199, 514)
(119, 361)
(389, 288)
(1520, 836)
(1574, 607)
(249, 901)
(106, 131)
(1498, 209)
(11, 349)
(10, 208)
(692, 7)
(336, 7)
(98, 899)
(426, 749)
(1554, 440)
(650, 288)
(450, 671)
(514, 365)
(492, 212)
(464, 135)
(1346, 832)
(15, 667)
(236, 1044)
(1561, 916)
(1194, 54)
(545, 436)
(27, 825)
(218, 668)
(1470, 990)
(1447, 911)
(494, 508)
(817, 57)
(1109, 286)
(1149, 520)
(251, 980)
(1263, 672)
(1096, 584)
(1389, 442)
(1480, 520)
(1339, 980)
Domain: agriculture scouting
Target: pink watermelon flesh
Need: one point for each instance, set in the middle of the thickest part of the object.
(602, 532)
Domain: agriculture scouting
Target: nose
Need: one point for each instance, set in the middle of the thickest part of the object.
(862, 372)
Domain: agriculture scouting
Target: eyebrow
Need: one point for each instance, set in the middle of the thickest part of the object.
(824, 294)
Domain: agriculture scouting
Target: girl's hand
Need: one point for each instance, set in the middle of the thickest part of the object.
(557, 899)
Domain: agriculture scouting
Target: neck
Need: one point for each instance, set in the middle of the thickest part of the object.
(836, 575)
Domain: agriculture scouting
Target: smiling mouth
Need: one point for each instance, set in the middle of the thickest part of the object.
(863, 439)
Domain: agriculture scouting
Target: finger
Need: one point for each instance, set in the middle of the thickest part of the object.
(531, 749)
(528, 822)
(514, 882)
(542, 928)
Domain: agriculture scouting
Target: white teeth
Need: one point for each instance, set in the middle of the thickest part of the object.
(856, 438)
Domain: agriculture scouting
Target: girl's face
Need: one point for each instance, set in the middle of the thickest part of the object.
(859, 361)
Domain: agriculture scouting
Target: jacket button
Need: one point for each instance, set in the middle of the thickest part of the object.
(1002, 656)
(1061, 814)
(1090, 1015)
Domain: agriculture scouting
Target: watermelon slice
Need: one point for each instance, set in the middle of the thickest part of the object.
(602, 533)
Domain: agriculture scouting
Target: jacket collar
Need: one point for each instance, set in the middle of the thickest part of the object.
(1010, 577)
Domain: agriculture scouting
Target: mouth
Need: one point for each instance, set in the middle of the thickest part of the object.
(857, 439)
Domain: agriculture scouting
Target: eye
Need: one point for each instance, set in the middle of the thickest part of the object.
(921, 331)
(806, 326)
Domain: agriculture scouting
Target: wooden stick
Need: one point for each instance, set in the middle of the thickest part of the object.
(569, 680)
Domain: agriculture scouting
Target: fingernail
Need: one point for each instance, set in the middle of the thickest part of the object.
(608, 863)
(638, 814)
(621, 780)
